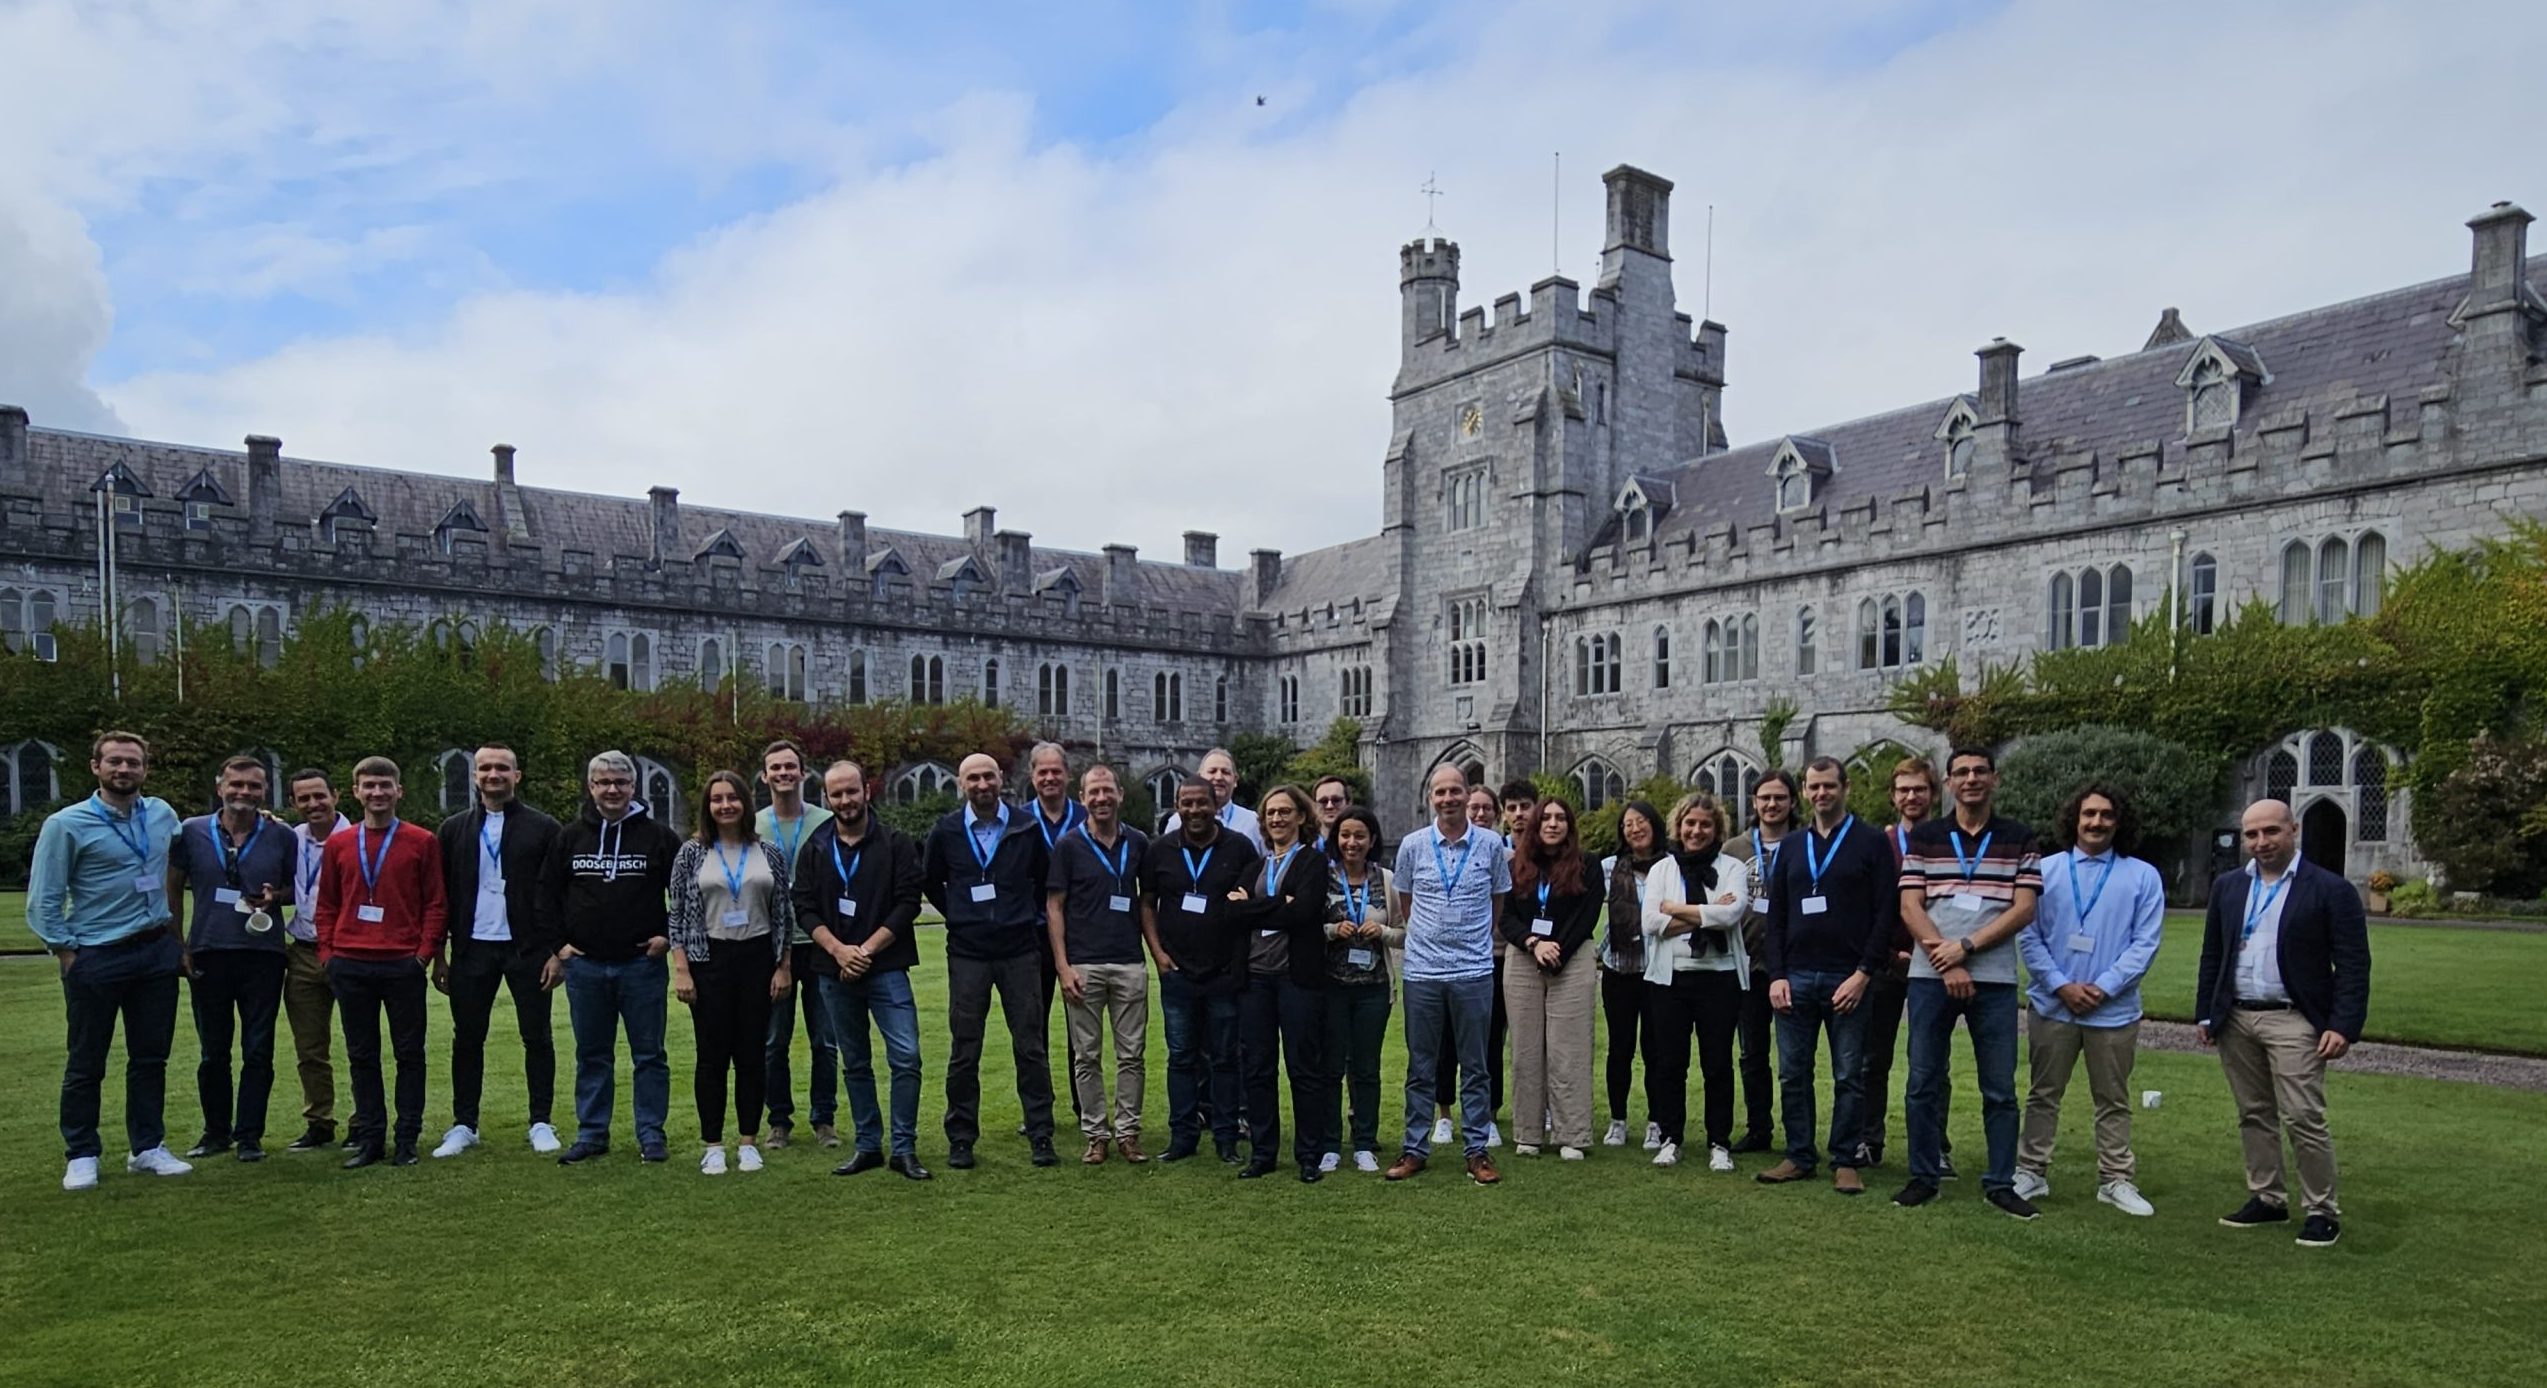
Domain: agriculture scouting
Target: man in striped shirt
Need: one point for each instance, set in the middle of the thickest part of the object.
(1968, 885)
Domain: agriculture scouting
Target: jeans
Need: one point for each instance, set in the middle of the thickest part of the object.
(1759, 1096)
(885, 999)
(1463, 1008)
(1886, 995)
(1282, 1026)
(1202, 1056)
(1357, 1031)
(1446, 1085)
(366, 988)
(1709, 1003)
(1990, 1015)
(1810, 1012)
(807, 964)
(478, 969)
(601, 999)
(969, 985)
(242, 987)
(135, 980)
(309, 1005)
(1622, 1004)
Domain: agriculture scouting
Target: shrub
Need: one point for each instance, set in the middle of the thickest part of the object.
(2171, 791)
(2414, 900)
(2467, 828)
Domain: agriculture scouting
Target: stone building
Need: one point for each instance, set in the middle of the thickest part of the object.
(1575, 571)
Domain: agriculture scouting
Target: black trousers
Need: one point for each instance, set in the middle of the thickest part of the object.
(1069, 1048)
(1282, 1025)
(969, 986)
(1707, 1002)
(1759, 1059)
(1622, 1006)
(730, 1021)
(237, 994)
(1357, 1031)
(1446, 1084)
(1885, 996)
(478, 968)
(134, 980)
(366, 988)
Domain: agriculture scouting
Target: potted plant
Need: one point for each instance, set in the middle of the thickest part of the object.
(2382, 882)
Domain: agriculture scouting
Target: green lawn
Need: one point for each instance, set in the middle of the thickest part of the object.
(502, 1268)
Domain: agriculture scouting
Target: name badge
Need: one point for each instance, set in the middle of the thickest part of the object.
(1813, 905)
(371, 913)
(736, 920)
(1119, 903)
(848, 907)
(1195, 905)
(1269, 934)
(146, 883)
(225, 896)
(985, 891)
(1543, 926)
(2082, 944)
(1358, 958)
(1967, 901)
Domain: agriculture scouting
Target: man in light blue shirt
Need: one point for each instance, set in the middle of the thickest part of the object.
(1452, 877)
(98, 895)
(2093, 937)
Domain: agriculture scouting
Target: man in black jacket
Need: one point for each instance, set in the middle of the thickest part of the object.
(602, 903)
(2285, 987)
(492, 856)
(984, 867)
(857, 888)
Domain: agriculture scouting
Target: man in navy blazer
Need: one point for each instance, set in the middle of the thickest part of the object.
(2285, 987)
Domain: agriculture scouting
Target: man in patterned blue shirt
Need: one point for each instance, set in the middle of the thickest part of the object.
(1452, 877)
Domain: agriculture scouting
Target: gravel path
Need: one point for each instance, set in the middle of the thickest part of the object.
(2374, 1058)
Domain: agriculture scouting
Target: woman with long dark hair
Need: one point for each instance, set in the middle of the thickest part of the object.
(1695, 972)
(1360, 941)
(730, 923)
(1641, 845)
(1282, 1015)
(1549, 983)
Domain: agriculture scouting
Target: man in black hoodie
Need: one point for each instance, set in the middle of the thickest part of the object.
(602, 893)
(983, 867)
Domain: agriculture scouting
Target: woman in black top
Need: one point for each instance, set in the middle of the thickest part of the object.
(1282, 1015)
(1360, 939)
(1641, 845)
(1549, 981)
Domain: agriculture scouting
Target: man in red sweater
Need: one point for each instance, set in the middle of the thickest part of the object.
(380, 922)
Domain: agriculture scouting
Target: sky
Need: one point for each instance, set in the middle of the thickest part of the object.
(1124, 270)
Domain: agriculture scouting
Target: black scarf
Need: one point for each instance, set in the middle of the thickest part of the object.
(1697, 870)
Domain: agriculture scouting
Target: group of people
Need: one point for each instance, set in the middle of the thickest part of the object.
(1281, 937)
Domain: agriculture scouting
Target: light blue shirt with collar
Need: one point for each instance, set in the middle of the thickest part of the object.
(2110, 947)
(986, 832)
(2259, 957)
(86, 885)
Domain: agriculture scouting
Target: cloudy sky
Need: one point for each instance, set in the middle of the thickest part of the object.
(909, 259)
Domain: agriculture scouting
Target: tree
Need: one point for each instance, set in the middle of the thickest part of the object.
(1337, 754)
(2172, 793)
(1870, 780)
(1261, 759)
(2485, 825)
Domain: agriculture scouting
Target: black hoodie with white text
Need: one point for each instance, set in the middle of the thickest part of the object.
(602, 889)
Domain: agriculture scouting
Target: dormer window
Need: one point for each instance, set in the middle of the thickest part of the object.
(2214, 403)
(1799, 468)
(1641, 503)
(1640, 523)
(1957, 432)
(2215, 380)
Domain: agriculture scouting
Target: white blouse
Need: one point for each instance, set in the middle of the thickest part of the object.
(1664, 888)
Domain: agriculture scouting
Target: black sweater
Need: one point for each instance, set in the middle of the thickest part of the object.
(1855, 929)
(523, 853)
(1209, 950)
(602, 889)
(1575, 915)
(884, 868)
(1298, 908)
(1012, 921)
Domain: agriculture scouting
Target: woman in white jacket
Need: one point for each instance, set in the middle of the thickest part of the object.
(1695, 974)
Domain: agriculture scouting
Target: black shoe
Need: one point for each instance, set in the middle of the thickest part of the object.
(1179, 1148)
(365, 1154)
(208, 1146)
(1310, 1175)
(2256, 1212)
(1914, 1195)
(2319, 1231)
(350, 1143)
(651, 1152)
(1228, 1152)
(862, 1161)
(582, 1152)
(1751, 1142)
(1945, 1168)
(2011, 1203)
(313, 1137)
(960, 1155)
(1255, 1167)
(909, 1168)
(405, 1155)
(251, 1150)
(1043, 1155)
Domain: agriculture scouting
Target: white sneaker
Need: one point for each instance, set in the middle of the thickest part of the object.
(1494, 1135)
(461, 1138)
(1719, 1159)
(1329, 1162)
(1617, 1135)
(2031, 1186)
(712, 1162)
(1366, 1161)
(1525, 1149)
(1442, 1133)
(81, 1174)
(748, 1156)
(1653, 1137)
(158, 1161)
(2126, 1197)
(544, 1140)
(1570, 1153)
(1667, 1155)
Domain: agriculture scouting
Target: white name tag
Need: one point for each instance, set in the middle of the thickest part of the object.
(1195, 905)
(1813, 905)
(848, 907)
(1268, 934)
(735, 920)
(984, 891)
(1119, 903)
(370, 913)
(2082, 944)
(1543, 926)
(1967, 901)
(146, 883)
(1358, 958)
(225, 896)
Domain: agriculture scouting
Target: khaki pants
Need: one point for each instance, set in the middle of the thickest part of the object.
(2278, 1083)
(307, 1000)
(1116, 998)
(2055, 1045)
(1551, 1044)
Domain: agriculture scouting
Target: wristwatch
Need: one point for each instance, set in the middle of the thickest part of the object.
(1968, 951)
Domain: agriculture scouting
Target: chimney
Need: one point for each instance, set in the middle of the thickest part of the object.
(1202, 549)
(13, 444)
(1639, 212)
(1994, 435)
(507, 505)
(853, 546)
(265, 486)
(2502, 236)
(503, 464)
(2501, 311)
(665, 504)
(979, 525)
(1119, 574)
(1264, 572)
(1016, 561)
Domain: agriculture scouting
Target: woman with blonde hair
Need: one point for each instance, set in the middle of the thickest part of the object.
(730, 923)
(1282, 1015)
(1696, 969)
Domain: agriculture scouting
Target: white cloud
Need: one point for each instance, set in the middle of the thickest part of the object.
(1195, 327)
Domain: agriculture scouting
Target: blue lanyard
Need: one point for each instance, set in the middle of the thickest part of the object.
(787, 843)
(847, 874)
(139, 840)
(1980, 852)
(1901, 840)
(1817, 865)
(1766, 856)
(1543, 900)
(973, 836)
(1274, 867)
(1071, 814)
(2087, 908)
(1122, 860)
(230, 862)
(733, 872)
(369, 862)
(1193, 867)
(313, 853)
(1356, 900)
(493, 847)
(2257, 905)
(1441, 868)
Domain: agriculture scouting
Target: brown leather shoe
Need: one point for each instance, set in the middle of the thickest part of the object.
(1095, 1155)
(1844, 1180)
(775, 1140)
(1782, 1173)
(1130, 1148)
(1404, 1167)
(1481, 1169)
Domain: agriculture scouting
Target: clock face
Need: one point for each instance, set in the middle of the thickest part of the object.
(1472, 421)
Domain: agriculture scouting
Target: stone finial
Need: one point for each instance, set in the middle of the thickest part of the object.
(2170, 330)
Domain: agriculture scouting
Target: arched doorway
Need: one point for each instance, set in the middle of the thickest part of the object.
(2322, 834)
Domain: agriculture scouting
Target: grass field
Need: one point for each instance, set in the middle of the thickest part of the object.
(504, 1268)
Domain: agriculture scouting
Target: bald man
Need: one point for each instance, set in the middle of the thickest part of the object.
(984, 866)
(2285, 987)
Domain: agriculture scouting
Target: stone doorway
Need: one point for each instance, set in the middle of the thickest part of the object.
(2322, 832)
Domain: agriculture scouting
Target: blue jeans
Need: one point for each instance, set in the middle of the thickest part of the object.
(809, 964)
(885, 999)
(1991, 1016)
(600, 999)
(134, 981)
(1466, 1008)
(1202, 1053)
(1809, 1012)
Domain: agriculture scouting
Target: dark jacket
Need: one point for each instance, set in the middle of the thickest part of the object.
(1210, 949)
(885, 869)
(1012, 922)
(1574, 914)
(528, 835)
(1297, 908)
(603, 892)
(2324, 950)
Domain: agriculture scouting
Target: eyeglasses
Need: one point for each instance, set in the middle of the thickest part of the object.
(611, 782)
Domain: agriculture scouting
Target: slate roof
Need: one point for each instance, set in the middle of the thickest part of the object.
(1338, 573)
